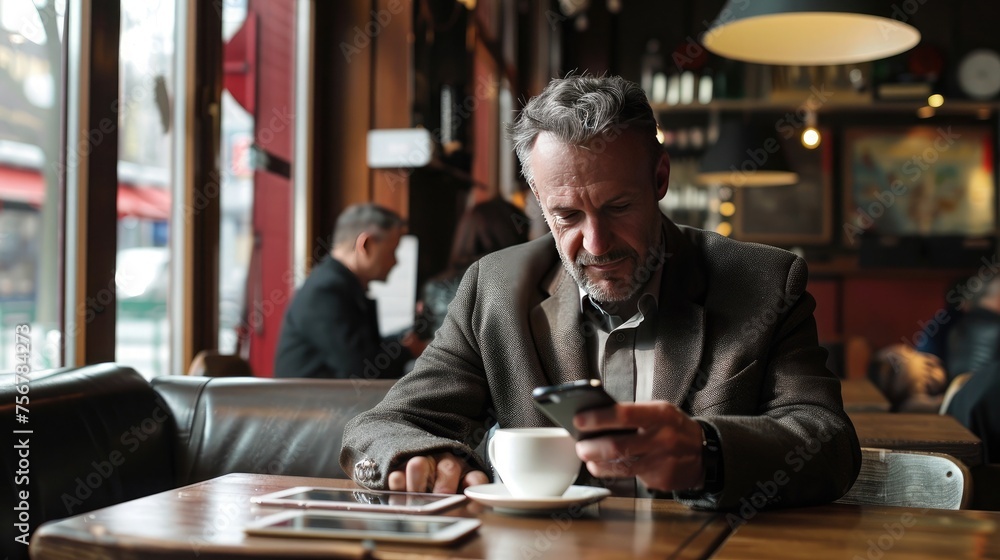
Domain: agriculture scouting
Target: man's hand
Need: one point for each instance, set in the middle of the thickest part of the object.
(664, 453)
(442, 473)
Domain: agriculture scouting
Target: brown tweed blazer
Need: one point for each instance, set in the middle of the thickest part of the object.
(736, 347)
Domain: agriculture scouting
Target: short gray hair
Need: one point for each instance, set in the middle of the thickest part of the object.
(360, 218)
(580, 109)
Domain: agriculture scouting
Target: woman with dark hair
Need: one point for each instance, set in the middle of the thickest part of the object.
(486, 227)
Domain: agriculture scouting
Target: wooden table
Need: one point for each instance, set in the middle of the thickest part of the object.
(861, 395)
(207, 519)
(840, 531)
(918, 432)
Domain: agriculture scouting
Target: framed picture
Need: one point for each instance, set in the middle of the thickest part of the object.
(799, 214)
(918, 181)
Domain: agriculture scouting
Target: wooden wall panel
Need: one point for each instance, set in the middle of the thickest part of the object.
(97, 216)
(485, 123)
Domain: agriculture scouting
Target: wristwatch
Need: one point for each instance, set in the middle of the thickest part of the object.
(711, 459)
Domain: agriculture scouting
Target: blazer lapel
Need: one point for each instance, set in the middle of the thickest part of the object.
(556, 330)
(680, 324)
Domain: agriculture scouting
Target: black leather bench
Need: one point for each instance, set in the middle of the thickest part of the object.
(102, 435)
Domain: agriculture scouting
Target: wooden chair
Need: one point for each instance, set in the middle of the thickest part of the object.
(209, 363)
(910, 479)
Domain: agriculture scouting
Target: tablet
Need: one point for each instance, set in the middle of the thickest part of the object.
(357, 525)
(358, 500)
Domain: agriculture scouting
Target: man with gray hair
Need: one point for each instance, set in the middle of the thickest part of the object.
(709, 345)
(330, 328)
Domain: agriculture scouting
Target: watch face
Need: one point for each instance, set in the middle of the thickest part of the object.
(979, 74)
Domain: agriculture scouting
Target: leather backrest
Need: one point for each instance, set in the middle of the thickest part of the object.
(265, 426)
(181, 395)
(100, 436)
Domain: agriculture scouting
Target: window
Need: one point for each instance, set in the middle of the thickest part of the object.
(144, 177)
(31, 61)
(236, 182)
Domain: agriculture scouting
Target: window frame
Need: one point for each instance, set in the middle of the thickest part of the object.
(92, 38)
(92, 33)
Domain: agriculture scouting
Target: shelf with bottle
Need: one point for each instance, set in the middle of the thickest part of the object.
(981, 109)
(688, 202)
(737, 87)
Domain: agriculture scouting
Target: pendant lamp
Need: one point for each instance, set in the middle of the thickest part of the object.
(812, 32)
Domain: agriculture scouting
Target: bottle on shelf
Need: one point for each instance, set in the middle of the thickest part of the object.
(651, 67)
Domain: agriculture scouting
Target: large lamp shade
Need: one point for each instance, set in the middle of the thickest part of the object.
(745, 156)
(811, 32)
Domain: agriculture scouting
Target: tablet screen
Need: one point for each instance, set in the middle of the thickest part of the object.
(404, 526)
(351, 525)
(361, 497)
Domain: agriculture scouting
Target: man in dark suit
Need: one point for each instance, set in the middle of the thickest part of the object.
(974, 347)
(331, 326)
(709, 345)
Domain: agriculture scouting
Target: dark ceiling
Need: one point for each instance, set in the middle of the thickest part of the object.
(615, 43)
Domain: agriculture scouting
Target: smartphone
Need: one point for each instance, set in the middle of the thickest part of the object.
(359, 500)
(561, 402)
(375, 526)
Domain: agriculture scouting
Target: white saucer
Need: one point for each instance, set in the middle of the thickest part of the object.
(499, 497)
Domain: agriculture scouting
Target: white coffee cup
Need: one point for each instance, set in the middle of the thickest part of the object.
(534, 462)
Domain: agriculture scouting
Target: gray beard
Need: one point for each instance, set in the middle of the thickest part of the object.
(622, 290)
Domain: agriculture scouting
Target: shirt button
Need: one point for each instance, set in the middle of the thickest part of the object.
(620, 337)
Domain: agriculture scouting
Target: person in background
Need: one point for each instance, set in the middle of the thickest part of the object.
(708, 344)
(916, 378)
(331, 328)
(912, 381)
(974, 340)
(974, 347)
(935, 333)
(484, 228)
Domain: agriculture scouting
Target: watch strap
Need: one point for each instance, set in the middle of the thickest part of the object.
(711, 459)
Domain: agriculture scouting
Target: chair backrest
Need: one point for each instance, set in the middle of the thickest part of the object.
(210, 363)
(956, 384)
(910, 479)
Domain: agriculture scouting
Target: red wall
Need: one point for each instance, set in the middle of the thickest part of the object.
(886, 311)
(883, 309)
